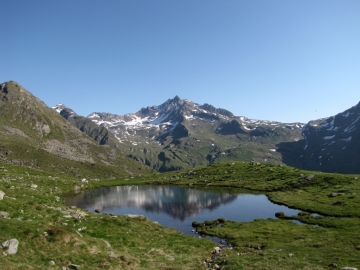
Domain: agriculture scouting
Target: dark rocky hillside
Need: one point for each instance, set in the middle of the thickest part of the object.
(99, 133)
(330, 145)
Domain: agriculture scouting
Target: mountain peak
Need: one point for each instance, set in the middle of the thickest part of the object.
(176, 98)
(59, 107)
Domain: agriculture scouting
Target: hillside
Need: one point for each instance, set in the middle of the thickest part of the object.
(33, 135)
(331, 144)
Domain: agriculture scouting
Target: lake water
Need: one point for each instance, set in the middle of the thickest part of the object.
(177, 207)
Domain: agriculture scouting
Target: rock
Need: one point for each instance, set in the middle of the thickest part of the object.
(334, 194)
(77, 189)
(12, 246)
(52, 263)
(216, 267)
(74, 266)
(84, 180)
(216, 250)
(349, 268)
(279, 214)
(97, 210)
(113, 255)
(2, 193)
(33, 186)
(4, 214)
(79, 214)
(310, 177)
(75, 213)
(107, 244)
(57, 199)
(5, 244)
(134, 216)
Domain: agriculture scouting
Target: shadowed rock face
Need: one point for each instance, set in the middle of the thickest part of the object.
(230, 128)
(331, 144)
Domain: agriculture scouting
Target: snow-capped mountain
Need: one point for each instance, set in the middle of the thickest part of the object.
(333, 144)
(180, 133)
(163, 120)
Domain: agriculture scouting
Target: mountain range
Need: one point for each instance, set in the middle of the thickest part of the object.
(174, 135)
(180, 134)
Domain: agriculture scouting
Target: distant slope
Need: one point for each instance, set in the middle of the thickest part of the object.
(31, 134)
(330, 145)
(99, 133)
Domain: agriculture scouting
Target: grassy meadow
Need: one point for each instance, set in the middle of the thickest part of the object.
(52, 235)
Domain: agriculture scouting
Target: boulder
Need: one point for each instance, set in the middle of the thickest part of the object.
(4, 214)
(216, 250)
(33, 186)
(12, 246)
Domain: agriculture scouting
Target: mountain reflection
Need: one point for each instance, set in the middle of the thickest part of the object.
(174, 201)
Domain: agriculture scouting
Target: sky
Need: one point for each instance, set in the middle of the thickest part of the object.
(279, 60)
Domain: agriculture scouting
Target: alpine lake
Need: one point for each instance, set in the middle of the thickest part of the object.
(178, 207)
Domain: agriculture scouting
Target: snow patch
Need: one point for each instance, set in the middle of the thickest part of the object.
(329, 137)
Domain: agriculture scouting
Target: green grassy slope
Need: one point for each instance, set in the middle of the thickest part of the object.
(33, 135)
(48, 231)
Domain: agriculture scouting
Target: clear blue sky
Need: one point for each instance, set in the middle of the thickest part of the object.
(275, 60)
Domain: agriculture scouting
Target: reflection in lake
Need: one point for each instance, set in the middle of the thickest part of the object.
(174, 201)
(177, 207)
